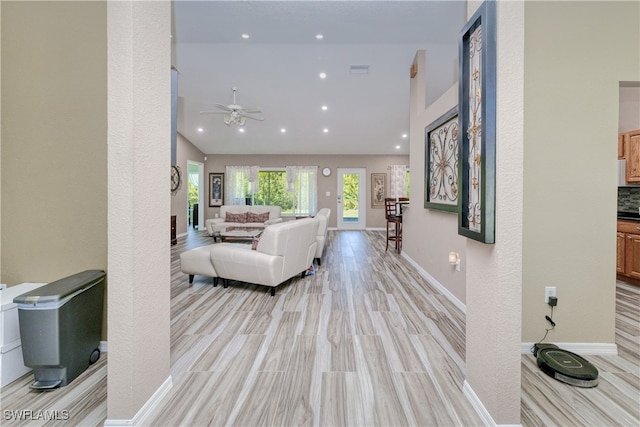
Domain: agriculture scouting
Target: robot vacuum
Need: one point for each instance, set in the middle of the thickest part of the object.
(565, 366)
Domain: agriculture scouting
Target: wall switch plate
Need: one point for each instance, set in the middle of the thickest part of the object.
(549, 291)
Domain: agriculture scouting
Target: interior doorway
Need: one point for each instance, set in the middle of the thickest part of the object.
(195, 195)
(351, 199)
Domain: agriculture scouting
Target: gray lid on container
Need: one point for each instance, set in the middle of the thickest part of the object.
(59, 290)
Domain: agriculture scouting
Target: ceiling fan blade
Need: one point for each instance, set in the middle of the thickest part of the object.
(213, 112)
(250, 116)
(223, 107)
(252, 110)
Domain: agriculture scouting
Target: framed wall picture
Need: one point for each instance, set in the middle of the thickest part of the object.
(216, 189)
(378, 189)
(477, 110)
(441, 163)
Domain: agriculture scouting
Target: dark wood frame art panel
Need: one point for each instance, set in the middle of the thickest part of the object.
(442, 141)
(477, 103)
(216, 178)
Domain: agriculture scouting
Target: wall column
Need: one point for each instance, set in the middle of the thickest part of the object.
(139, 125)
(494, 272)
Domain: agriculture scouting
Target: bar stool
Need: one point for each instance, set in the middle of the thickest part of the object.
(392, 217)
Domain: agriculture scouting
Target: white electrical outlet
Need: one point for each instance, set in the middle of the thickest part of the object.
(549, 291)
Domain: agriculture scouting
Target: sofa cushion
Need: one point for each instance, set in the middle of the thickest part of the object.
(236, 217)
(257, 217)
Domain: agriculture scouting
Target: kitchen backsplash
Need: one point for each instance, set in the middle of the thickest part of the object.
(628, 199)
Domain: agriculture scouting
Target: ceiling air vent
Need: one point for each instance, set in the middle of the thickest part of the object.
(359, 69)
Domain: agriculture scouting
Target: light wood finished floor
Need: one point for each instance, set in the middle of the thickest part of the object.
(365, 342)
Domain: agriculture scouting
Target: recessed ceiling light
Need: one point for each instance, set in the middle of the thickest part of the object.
(404, 135)
(397, 147)
(245, 36)
(200, 130)
(325, 130)
(283, 130)
(319, 36)
(324, 108)
(241, 130)
(323, 75)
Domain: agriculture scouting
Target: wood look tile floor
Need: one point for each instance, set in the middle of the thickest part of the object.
(366, 341)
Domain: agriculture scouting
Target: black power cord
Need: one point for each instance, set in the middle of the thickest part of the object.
(553, 325)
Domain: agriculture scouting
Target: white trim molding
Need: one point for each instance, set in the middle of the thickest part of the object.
(592, 349)
(439, 286)
(475, 401)
(150, 405)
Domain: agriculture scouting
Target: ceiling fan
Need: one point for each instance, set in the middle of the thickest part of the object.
(234, 113)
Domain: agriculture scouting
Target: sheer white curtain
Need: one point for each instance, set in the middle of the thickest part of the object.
(302, 183)
(240, 181)
(398, 181)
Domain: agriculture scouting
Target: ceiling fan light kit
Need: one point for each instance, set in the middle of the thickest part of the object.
(234, 113)
(234, 118)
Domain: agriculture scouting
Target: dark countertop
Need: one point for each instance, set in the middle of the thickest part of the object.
(629, 216)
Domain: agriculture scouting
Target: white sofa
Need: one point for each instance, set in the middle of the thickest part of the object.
(216, 225)
(284, 250)
(323, 218)
(197, 261)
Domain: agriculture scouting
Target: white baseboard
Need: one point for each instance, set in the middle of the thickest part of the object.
(592, 349)
(480, 409)
(441, 288)
(147, 408)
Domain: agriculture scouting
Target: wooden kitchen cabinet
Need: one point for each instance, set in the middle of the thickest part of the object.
(621, 137)
(628, 250)
(632, 248)
(621, 254)
(632, 156)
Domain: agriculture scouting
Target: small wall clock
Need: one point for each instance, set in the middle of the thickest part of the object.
(326, 171)
(176, 179)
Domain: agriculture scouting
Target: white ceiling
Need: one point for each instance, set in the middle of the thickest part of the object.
(277, 69)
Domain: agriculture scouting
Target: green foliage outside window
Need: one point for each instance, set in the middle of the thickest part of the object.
(272, 190)
(350, 192)
(192, 194)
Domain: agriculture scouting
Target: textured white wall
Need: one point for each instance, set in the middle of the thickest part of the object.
(429, 234)
(139, 202)
(494, 272)
(0, 142)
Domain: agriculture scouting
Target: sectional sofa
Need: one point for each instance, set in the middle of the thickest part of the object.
(283, 251)
(241, 216)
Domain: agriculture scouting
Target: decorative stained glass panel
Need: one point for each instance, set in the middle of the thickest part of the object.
(441, 189)
(477, 96)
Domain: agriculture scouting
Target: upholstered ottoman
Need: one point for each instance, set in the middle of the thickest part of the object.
(198, 261)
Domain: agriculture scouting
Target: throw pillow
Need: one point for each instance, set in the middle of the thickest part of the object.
(239, 217)
(254, 243)
(255, 217)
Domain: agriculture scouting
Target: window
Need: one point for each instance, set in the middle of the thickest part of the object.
(272, 190)
(293, 189)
